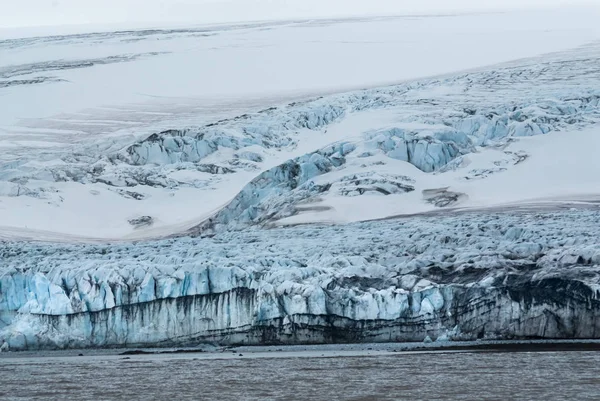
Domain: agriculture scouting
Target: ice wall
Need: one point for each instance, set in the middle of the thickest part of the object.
(464, 276)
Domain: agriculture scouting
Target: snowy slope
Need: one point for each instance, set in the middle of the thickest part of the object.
(86, 156)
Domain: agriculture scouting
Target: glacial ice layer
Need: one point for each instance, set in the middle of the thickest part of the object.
(457, 276)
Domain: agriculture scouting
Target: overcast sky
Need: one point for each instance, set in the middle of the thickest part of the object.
(27, 13)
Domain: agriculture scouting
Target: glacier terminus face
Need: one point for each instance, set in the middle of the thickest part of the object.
(466, 276)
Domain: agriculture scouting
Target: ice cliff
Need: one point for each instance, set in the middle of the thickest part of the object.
(462, 276)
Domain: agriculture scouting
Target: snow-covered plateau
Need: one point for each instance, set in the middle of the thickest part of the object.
(169, 204)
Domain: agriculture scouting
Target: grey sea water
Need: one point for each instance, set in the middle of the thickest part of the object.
(443, 375)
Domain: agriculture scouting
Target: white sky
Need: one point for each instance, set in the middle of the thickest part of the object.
(28, 13)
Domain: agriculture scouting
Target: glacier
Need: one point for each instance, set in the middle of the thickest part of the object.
(456, 207)
(462, 276)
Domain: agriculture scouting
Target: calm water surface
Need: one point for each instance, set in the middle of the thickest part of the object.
(389, 376)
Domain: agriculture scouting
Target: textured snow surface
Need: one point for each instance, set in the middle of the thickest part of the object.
(175, 151)
(451, 127)
(402, 279)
